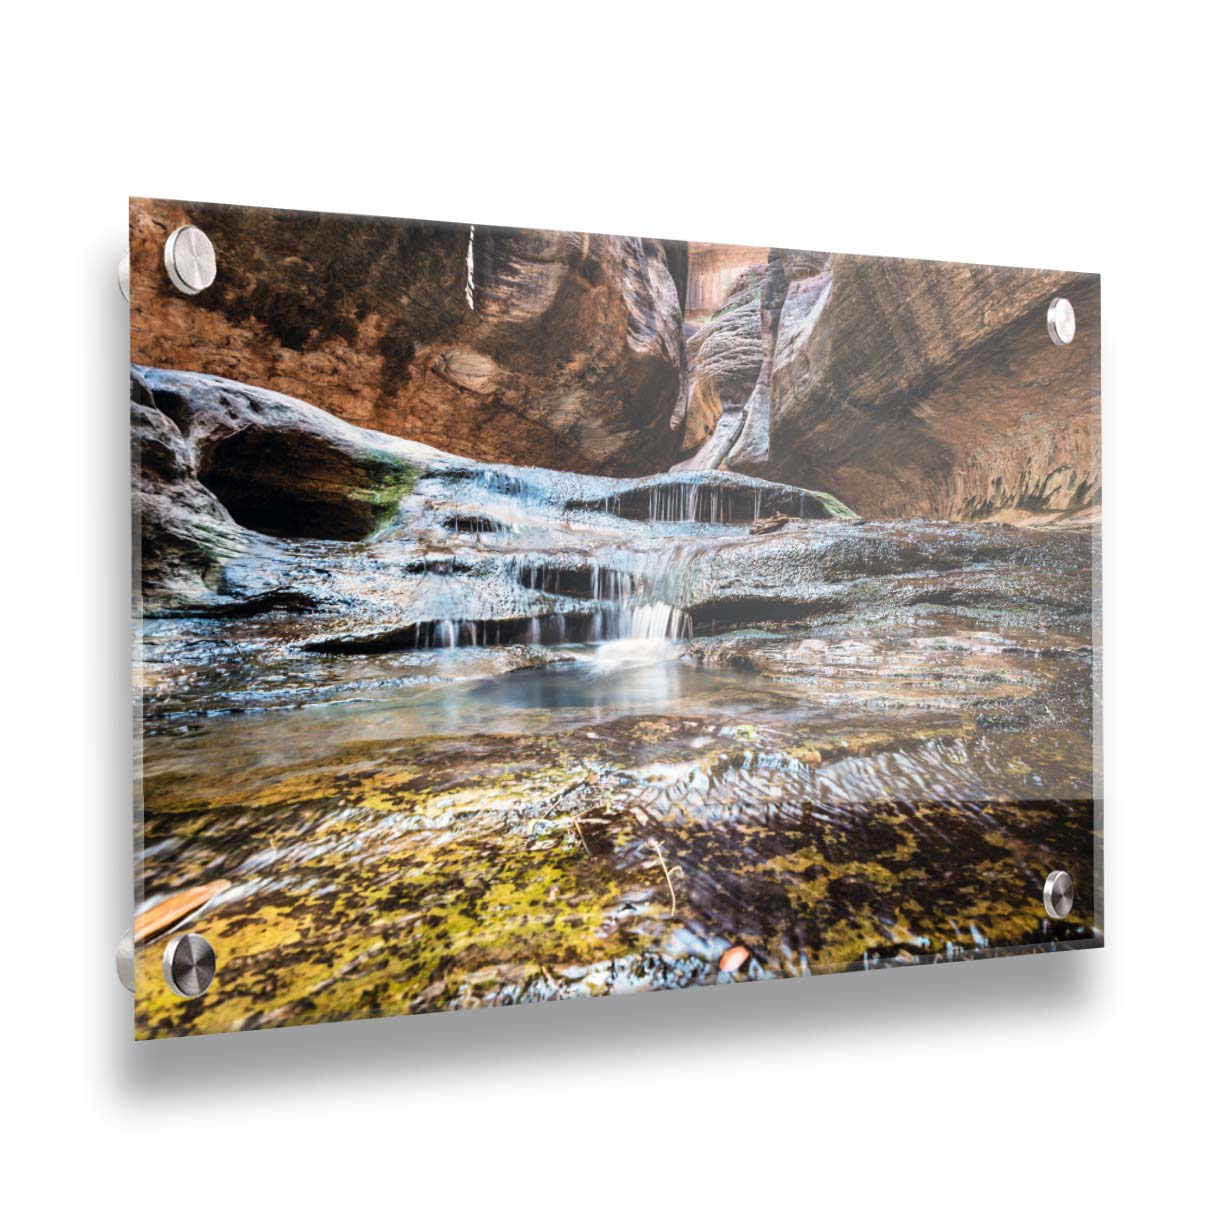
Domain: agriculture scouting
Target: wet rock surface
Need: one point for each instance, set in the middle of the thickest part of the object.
(532, 735)
(391, 858)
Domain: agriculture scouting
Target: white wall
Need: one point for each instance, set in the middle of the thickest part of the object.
(1067, 136)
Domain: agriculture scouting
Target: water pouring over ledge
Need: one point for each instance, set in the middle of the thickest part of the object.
(541, 558)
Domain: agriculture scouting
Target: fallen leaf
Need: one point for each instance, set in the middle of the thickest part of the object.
(732, 959)
(174, 908)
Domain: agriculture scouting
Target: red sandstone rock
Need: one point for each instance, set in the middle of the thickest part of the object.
(564, 349)
(933, 390)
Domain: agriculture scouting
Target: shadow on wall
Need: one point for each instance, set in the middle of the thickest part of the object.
(892, 1007)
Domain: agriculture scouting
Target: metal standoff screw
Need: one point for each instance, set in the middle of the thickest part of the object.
(1060, 320)
(191, 261)
(1058, 894)
(189, 965)
(125, 278)
(125, 961)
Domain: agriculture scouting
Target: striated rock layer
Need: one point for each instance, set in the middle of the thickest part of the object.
(724, 358)
(934, 389)
(905, 387)
(230, 480)
(522, 346)
(714, 268)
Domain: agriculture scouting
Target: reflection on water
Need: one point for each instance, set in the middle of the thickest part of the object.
(629, 677)
(509, 838)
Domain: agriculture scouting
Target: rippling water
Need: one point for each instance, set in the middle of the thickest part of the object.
(513, 837)
(503, 753)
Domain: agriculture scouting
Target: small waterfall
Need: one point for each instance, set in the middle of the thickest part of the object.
(687, 503)
(659, 621)
(551, 629)
(611, 585)
(704, 497)
(646, 608)
(495, 502)
(599, 582)
(598, 592)
(624, 605)
(507, 484)
(678, 502)
(656, 622)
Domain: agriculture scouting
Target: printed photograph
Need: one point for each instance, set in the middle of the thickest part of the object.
(526, 615)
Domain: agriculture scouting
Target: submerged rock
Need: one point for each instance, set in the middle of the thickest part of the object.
(398, 860)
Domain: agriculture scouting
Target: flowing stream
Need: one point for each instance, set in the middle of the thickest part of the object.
(579, 739)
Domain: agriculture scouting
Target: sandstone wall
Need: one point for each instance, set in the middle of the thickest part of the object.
(904, 387)
(570, 354)
(713, 269)
(934, 390)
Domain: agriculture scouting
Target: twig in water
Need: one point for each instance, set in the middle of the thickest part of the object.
(668, 872)
(575, 819)
(578, 826)
(555, 802)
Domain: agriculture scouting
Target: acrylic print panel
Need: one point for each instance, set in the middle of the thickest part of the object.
(529, 615)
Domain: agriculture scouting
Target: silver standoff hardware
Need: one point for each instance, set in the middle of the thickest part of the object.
(1060, 320)
(1058, 894)
(189, 965)
(191, 261)
(125, 961)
